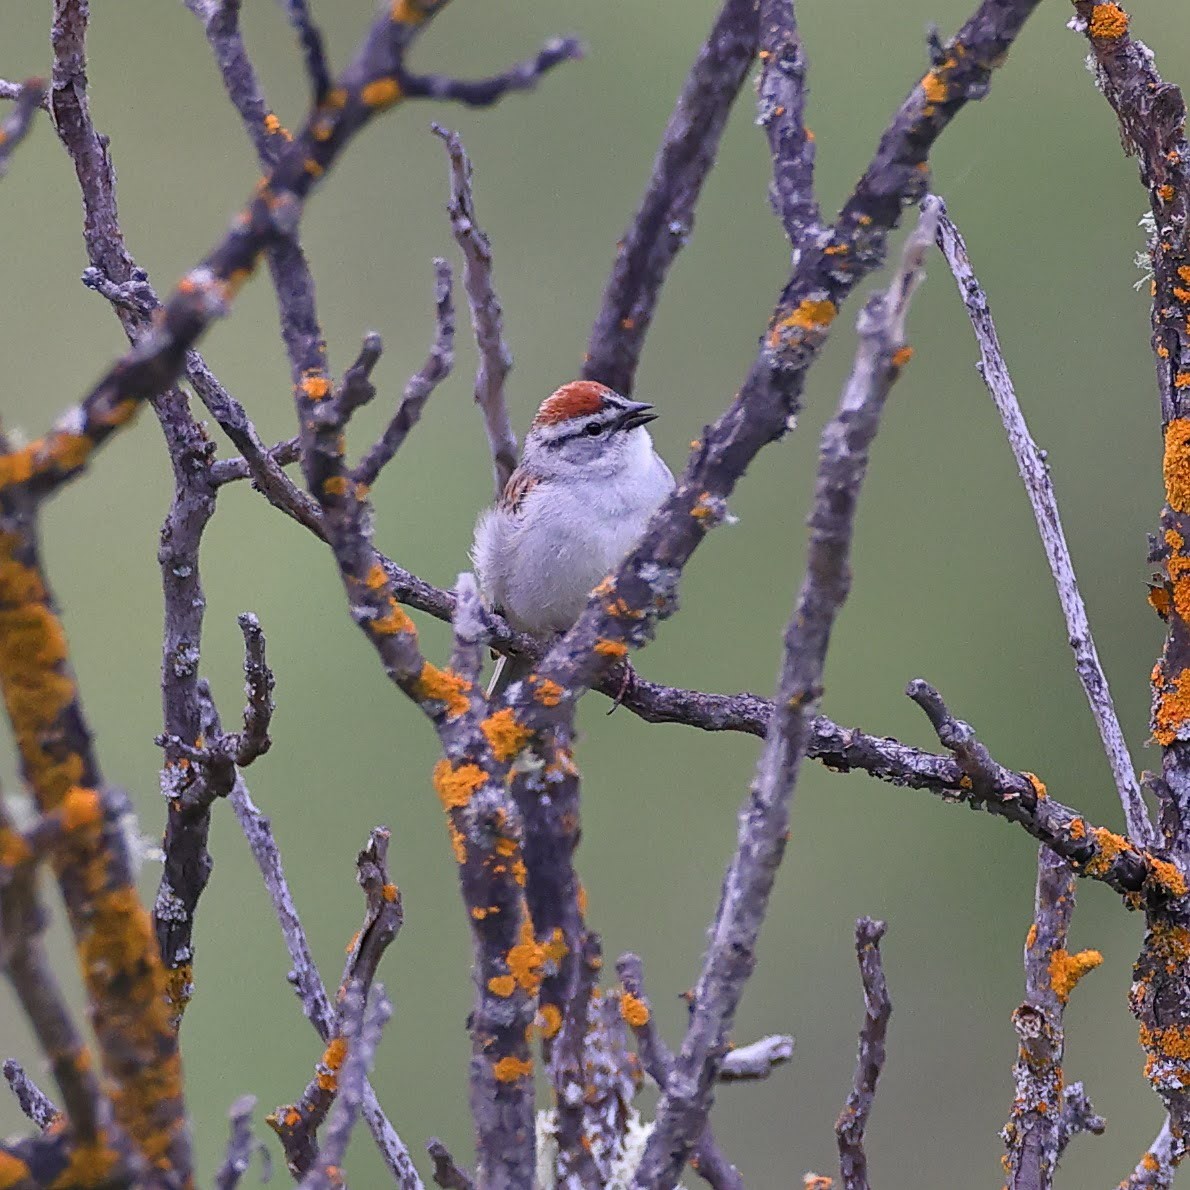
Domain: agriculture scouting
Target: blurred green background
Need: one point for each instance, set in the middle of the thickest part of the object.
(951, 582)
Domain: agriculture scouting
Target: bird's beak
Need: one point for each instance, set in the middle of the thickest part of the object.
(638, 413)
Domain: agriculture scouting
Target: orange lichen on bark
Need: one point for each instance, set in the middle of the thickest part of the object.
(458, 844)
(934, 88)
(1107, 847)
(36, 684)
(455, 786)
(1173, 707)
(554, 950)
(336, 485)
(1167, 877)
(444, 686)
(615, 648)
(509, 1069)
(390, 892)
(90, 1165)
(1078, 829)
(1031, 936)
(1169, 944)
(1170, 1041)
(381, 93)
(902, 356)
(331, 1063)
(526, 959)
(547, 692)
(393, 621)
(13, 1172)
(179, 990)
(1175, 464)
(1181, 380)
(1108, 22)
(504, 734)
(315, 386)
(1038, 785)
(502, 985)
(1066, 969)
(549, 1020)
(634, 1011)
(812, 314)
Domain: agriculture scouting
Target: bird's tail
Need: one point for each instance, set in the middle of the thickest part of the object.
(508, 670)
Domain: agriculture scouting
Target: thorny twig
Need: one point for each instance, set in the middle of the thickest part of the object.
(853, 1119)
(1040, 489)
(487, 315)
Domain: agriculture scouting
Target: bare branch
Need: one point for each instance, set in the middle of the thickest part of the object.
(853, 1119)
(447, 1173)
(1031, 463)
(764, 818)
(241, 1145)
(487, 316)
(781, 104)
(421, 384)
(30, 97)
(1157, 1168)
(663, 222)
(310, 38)
(304, 974)
(750, 1063)
(362, 1026)
(523, 76)
(33, 1101)
(658, 1060)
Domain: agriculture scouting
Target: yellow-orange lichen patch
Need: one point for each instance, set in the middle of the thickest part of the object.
(80, 808)
(634, 1010)
(375, 578)
(526, 959)
(1169, 944)
(393, 621)
(1173, 708)
(90, 1164)
(812, 314)
(381, 92)
(506, 736)
(1078, 829)
(549, 1020)
(444, 686)
(455, 786)
(458, 845)
(509, 1069)
(614, 648)
(331, 1063)
(1167, 877)
(1108, 847)
(934, 88)
(502, 985)
(1067, 969)
(902, 356)
(1038, 784)
(1170, 1041)
(1181, 380)
(1031, 936)
(1160, 601)
(547, 692)
(390, 893)
(335, 485)
(581, 897)
(313, 168)
(1175, 464)
(554, 950)
(317, 387)
(1108, 21)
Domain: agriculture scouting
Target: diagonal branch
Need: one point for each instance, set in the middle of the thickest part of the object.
(487, 315)
(663, 222)
(1040, 489)
(853, 1119)
(764, 818)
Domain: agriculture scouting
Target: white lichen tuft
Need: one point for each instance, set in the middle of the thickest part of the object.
(623, 1163)
(1144, 260)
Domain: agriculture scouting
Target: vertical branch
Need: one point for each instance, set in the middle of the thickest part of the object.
(664, 220)
(487, 315)
(1039, 487)
(1035, 1134)
(764, 817)
(853, 1119)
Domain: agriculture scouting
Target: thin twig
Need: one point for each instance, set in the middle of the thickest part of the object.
(241, 1146)
(522, 76)
(421, 384)
(1031, 462)
(1157, 1168)
(764, 817)
(310, 38)
(487, 316)
(363, 1023)
(447, 1172)
(853, 1119)
(750, 1063)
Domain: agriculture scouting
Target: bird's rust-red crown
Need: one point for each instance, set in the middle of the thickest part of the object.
(579, 398)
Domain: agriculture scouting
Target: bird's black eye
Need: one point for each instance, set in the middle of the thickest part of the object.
(593, 429)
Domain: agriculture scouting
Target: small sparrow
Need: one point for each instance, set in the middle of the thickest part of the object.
(588, 482)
